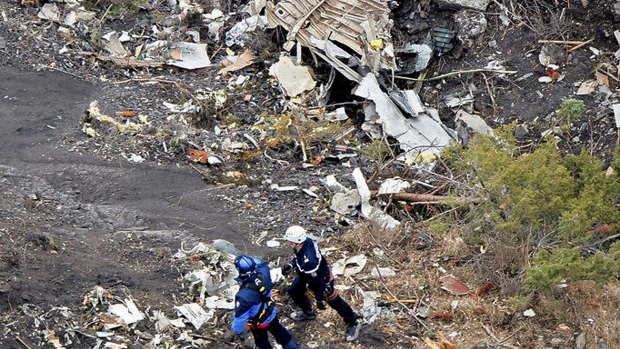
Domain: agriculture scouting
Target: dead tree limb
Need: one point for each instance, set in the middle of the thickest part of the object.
(458, 72)
(411, 312)
(428, 198)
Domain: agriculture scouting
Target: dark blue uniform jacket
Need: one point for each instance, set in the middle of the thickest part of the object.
(248, 301)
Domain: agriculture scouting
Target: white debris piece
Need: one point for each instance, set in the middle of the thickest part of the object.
(216, 302)
(188, 55)
(616, 108)
(310, 193)
(272, 243)
(423, 54)
(471, 25)
(236, 35)
(49, 12)
(364, 192)
(162, 323)
(135, 158)
(370, 212)
(276, 275)
(213, 15)
(276, 187)
(332, 184)
(344, 203)
(382, 273)
(114, 45)
(480, 5)
(587, 87)
(330, 48)
(414, 102)
(393, 185)
(370, 310)
(294, 79)
(128, 312)
(529, 313)
(339, 114)
(349, 266)
(414, 134)
(475, 122)
(254, 7)
(194, 313)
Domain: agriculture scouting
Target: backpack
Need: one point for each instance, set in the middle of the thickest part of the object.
(267, 304)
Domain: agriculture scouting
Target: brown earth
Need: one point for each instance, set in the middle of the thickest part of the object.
(76, 213)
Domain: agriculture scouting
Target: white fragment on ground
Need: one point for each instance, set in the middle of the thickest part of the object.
(294, 79)
(345, 203)
(188, 55)
(475, 122)
(393, 185)
(128, 312)
(370, 212)
(349, 266)
(194, 313)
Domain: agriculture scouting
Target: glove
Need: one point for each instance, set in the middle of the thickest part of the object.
(287, 269)
(321, 305)
(329, 288)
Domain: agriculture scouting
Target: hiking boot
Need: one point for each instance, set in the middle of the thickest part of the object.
(354, 330)
(303, 315)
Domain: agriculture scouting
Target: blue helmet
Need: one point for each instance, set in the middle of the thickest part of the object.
(246, 266)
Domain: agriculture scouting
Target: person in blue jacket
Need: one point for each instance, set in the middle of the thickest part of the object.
(313, 272)
(254, 306)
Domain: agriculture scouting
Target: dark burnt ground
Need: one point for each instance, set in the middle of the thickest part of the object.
(520, 98)
(70, 221)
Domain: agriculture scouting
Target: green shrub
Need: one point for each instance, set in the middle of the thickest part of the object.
(550, 268)
(571, 110)
(539, 199)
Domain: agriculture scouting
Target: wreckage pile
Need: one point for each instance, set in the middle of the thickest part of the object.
(336, 114)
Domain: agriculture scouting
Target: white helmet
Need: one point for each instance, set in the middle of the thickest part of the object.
(295, 234)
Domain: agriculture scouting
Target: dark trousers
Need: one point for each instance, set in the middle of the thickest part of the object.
(297, 292)
(282, 336)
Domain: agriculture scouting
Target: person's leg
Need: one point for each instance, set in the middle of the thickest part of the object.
(297, 292)
(261, 338)
(353, 321)
(281, 334)
(343, 309)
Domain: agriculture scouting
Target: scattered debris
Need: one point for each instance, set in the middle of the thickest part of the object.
(293, 79)
(529, 313)
(454, 285)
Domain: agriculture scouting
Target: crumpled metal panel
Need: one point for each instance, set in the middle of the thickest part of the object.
(352, 23)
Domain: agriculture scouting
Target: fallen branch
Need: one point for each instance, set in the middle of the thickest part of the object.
(497, 340)
(411, 312)
(428, 198)
(458, 72)
(128, 62)
(580, 45)
(564, 42)
(22, 342)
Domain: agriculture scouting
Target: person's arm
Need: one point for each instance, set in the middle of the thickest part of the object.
(317, 285)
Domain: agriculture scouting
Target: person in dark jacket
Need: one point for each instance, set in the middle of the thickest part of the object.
(313, 272)
(254, 306)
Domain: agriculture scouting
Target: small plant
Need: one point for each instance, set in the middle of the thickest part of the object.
(571, 110)
(377, 150)
(520, 302)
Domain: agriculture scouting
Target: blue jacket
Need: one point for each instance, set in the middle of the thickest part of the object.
(248, 301)
(312, 268)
